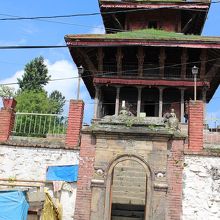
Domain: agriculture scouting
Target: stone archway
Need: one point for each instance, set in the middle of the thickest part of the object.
(109, 179)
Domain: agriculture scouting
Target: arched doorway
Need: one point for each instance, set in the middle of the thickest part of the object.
(128, 189)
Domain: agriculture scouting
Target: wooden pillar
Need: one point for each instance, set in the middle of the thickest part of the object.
(161, 101)
(100, 57)
(182, 92)
(162, 58)
(184, 59)
(139, 101)
(203, 58)
(117, 100)
(140, 57)
(119, 57)
(96, 105)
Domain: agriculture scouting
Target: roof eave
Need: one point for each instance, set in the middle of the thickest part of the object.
(101, 42)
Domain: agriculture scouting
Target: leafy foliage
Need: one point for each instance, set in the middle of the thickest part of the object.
(57, 101)
(6, 92)
(33, 101)
(35, 75)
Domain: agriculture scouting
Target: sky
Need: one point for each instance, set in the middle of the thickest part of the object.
(52, 32)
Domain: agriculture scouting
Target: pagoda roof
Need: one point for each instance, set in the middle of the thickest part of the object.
(149, 3)
(194, 11)
(145, 37)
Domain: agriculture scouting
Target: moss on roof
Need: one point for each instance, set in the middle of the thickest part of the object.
(155, 34)
(146, 34)
(145, 1)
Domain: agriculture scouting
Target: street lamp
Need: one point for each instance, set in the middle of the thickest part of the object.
(195, 71)
(80, 72)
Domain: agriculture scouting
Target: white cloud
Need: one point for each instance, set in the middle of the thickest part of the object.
(13, 43)
(98, 30)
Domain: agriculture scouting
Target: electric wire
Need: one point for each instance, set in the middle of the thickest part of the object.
(15, 18)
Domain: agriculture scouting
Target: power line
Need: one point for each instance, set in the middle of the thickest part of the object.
(15, 18)
(33, 47)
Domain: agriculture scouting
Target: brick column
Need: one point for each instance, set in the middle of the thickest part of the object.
(175, 180)
(7, 118)
(74, 126)
(86, 172)
(195, 130)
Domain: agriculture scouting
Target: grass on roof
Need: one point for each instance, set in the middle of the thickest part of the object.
(146, 1)
(155, 34)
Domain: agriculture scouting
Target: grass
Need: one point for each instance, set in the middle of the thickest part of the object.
(155, 34)
(148, 34)
(146, 0)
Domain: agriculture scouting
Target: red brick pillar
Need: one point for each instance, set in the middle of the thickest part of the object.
(175, 180)
(75, 120)
(7, 118)
(86, 172)
(195, 130)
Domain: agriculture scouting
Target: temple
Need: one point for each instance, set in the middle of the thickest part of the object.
(136, 73)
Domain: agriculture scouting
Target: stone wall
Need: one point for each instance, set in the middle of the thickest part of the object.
(154, 152)
(30, 163)
(201, 188)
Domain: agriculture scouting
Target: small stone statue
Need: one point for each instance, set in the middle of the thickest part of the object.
(124, 110)
(171, 120)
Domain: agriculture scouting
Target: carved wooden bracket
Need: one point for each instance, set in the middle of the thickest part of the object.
(140, 56)
(184, 59)
(87, 60)
(119, 57)
(162, 58)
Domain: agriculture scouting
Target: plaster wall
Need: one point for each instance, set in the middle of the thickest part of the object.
(28, 163)
(201, 188)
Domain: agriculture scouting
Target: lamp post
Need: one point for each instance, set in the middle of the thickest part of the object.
(195, 71)
(80, 72)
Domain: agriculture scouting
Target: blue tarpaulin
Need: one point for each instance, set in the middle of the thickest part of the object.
(63, 173)
(13, 205)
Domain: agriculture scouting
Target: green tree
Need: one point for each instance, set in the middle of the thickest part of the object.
(35, 75)
(33, 101)
(57, 101)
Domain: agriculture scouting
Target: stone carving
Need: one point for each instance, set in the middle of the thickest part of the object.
(171, 120)
(100, 172)
(124, 111)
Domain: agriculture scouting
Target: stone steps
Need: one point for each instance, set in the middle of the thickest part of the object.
(129, 184)
(123, 188)
(125, 218)
(127, 212)
(128, 199)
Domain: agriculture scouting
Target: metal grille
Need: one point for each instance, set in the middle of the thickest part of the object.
(39, 125)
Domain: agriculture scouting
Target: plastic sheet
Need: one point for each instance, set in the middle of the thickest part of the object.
(63, 173)
(13, 205)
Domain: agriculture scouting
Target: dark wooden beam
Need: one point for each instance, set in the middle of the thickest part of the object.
(140, 56)
(213, 71)
(184, 59)
(146, 82)
(162, 58)
(87, 60)
(119, 57)
(203, 58)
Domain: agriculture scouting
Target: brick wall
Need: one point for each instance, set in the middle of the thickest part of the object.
(195, 130)
(7, 117)
(75, 120)
(174, 178)
(86, 169)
